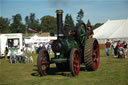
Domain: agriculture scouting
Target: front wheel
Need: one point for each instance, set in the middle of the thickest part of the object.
(74, 62)
(43, 62)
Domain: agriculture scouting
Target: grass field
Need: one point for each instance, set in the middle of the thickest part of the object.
(112, 71)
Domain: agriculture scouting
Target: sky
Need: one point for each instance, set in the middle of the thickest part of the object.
(97, 11)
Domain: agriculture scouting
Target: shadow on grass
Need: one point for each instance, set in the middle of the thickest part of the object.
(82, 69)
(51, 71)
(55, 71)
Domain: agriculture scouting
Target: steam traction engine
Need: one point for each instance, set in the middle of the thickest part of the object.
(70, 50)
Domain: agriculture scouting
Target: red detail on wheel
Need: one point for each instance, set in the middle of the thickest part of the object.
(95, 56)
(43, 62)
(74, 62)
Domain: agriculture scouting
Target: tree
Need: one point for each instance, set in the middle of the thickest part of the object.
(17, 26)
(32, 22)
(32, 18)
(80, 16)
(89, 23)
(4, 25)
(69, 23)
(17, 19)
(97, 25)
(48, 24)
(27, 20)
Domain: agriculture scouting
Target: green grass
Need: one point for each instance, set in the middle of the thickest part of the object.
(111, 71)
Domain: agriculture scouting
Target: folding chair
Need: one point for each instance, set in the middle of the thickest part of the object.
(13, 58)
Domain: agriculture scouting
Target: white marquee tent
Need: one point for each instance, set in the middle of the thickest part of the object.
(112, 29)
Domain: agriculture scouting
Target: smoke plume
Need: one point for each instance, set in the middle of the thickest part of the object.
(58, 3)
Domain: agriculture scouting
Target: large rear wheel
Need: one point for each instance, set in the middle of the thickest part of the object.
(91, 54)
(43, 62)
(74, 62)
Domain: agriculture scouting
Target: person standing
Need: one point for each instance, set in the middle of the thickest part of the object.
(114, 43)
(6, 53)
(108, 46)
(125, 46)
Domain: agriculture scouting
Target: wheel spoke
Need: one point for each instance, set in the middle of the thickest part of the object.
(94, 59)
(45, 62)
(82, 35)
(76, 67)
(75, 63)
(94, 51)
(83, 40)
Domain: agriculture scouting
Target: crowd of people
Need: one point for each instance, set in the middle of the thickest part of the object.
(119, 49)
(47, 46)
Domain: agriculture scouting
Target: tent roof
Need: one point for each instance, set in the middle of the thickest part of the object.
(112, 29)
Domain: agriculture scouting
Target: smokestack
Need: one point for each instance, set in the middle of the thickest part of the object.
(59, 14)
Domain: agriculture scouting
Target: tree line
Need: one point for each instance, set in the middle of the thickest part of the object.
(44, 24)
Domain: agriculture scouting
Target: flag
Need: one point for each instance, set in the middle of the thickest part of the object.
(30, 29)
